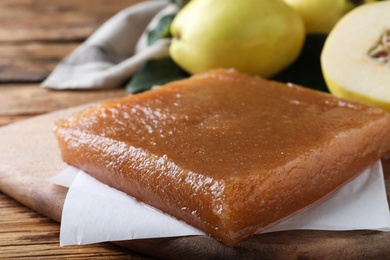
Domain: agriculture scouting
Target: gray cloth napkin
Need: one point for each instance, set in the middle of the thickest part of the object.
(112, 54)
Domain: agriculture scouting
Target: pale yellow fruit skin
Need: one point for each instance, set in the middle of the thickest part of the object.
(341, 92)
(258, 37)
(348, 70)
(320, 16)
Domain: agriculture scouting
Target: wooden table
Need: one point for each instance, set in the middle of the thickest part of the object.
(34, 36)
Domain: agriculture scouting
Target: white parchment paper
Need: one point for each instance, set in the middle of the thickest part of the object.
(94, 212)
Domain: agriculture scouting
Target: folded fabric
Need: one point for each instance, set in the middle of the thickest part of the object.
(110, 56)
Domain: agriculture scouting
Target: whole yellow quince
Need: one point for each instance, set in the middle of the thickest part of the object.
(258, 37)
(320, 16)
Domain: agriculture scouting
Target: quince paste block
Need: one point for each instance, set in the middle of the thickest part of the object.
(225, 152)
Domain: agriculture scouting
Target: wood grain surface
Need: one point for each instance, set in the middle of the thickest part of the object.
(34, 36)
(60, 20)
(21, 101)
(31, 62)
(25, 233)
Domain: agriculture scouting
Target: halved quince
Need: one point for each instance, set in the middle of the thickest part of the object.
(356, 56)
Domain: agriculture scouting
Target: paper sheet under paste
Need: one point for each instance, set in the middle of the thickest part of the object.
(94, 212)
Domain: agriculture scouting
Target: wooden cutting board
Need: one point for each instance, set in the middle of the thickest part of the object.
(29, 154)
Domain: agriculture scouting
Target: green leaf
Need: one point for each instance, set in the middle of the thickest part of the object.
(154, 73)
(162, 30)
(180, 3)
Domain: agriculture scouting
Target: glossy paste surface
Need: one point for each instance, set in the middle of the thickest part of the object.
(228, 153)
